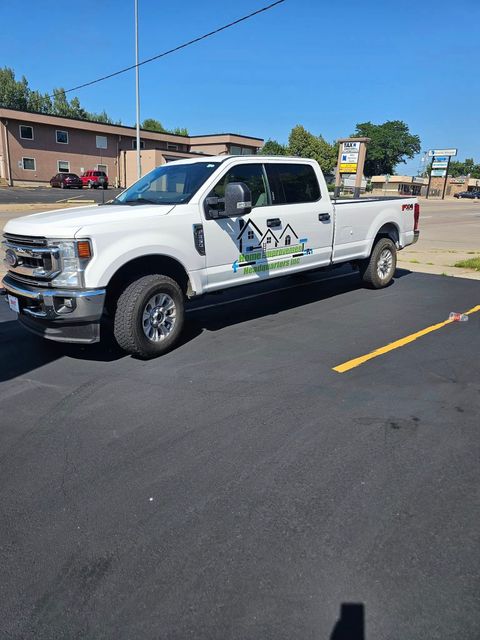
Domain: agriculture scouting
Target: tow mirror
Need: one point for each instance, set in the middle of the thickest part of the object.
(238, 199)
(237, 202)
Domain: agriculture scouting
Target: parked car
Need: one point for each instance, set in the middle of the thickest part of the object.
(66, 181)
(473, 195)
(94, 179)
(199, 226)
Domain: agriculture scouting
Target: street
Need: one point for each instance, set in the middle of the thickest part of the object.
(239, 487)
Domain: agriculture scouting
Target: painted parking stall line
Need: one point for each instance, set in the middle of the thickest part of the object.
(356, 362)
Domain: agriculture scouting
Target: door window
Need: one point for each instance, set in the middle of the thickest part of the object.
(252, 175)
(293, 183)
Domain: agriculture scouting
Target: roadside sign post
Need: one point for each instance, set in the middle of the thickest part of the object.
(446, 178)
(351, 160)
(439, 167)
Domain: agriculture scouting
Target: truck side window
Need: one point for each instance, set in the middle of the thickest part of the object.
(252, 175)
(293, 183)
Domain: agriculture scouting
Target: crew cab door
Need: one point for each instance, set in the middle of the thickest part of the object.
(288, 229)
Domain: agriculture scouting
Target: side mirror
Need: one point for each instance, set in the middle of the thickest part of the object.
(237, 202)
(238, 199)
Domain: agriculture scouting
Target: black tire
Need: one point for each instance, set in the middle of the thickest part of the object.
(132, 304)
(383, 259)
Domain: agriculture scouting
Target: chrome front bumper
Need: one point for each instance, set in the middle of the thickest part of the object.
(59, 314)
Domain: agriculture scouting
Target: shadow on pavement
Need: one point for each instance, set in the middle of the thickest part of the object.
(351, 623)
(214, 313)
(21, 351)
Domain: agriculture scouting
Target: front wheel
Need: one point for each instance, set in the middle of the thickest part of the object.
(377, 271)
(149, 316)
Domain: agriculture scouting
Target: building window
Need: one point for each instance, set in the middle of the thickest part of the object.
(28, 164)
(250, 234)
(102, 167)
(247, 152)
(288, 240)
(62, 137)
(269, 240)
(63, 166)
(134, 144)
(172, 147)
(26, 132)
(101, 142)
(235, 151)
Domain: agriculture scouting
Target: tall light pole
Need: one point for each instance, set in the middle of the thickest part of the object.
(137, 89)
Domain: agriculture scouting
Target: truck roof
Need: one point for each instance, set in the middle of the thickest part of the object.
(249, 158)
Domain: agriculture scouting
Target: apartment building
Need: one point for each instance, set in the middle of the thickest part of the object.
(34, 147)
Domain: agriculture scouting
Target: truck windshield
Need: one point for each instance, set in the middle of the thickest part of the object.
(168, 184)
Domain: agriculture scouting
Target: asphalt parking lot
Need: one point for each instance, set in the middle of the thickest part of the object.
(47, 195)
(239, 487)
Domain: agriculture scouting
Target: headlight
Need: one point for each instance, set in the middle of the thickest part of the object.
(73, 257)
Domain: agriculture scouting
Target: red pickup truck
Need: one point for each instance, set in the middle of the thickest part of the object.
(94, 179)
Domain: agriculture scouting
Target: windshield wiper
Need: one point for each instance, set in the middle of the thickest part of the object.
(140, 201)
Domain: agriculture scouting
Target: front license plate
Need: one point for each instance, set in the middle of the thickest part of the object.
(13, 304)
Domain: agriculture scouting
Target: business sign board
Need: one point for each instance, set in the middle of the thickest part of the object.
(439, 165)
(348, 167)
(351, 146)
(438, 173)
(442, 152)
(349, 157)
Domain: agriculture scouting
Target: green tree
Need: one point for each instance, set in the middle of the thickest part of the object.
(60, 105)
(101, 117)
(468, 167)
(304, 144)
(16, 94)
(180, 131)
(77, 111)
(39, 103)
(13, 93)
(273, 148)
(150, 124)
(391, 143)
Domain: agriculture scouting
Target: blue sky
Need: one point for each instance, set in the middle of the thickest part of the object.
(324, 65)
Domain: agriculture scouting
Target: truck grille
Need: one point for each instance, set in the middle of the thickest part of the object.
(29, 259)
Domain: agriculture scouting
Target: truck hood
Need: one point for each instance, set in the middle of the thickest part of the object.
(65, 223)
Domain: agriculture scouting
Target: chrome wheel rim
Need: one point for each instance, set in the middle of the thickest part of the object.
(159, 317)
(384, 264)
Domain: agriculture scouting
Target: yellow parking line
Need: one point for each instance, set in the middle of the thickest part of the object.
(351, 364)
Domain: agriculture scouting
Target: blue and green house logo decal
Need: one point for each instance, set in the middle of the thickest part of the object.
(260, 251)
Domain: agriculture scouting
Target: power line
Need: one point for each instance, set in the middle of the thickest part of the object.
(181, 46)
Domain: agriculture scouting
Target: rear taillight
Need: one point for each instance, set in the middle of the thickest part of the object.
(416, 216)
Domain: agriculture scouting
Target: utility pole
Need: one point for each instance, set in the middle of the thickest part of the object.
(137, 90)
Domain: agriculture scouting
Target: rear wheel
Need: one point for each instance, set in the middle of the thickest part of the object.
(149, 316)
(377, 271)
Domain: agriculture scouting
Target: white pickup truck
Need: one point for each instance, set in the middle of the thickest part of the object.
(186, 229)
